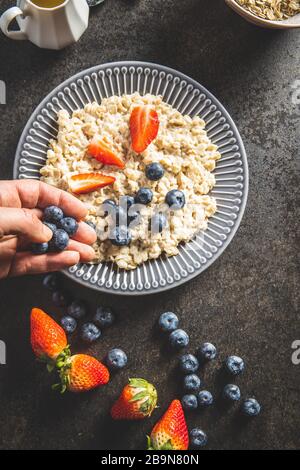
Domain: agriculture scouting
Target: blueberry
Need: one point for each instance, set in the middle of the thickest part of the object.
(116, 359)
(251, 407)
(189, 402)
(198, 438)
(60, 298)
(154, 171)
(231, 392)
(192, 383)
(77, 309)
(50, 282)
(69, 324)
(53, 214)
(205, 398)
(168, 322)
(69, 225)
(91, 224)
(127, 202)
(175, 199)
(59, 241)
(235, 365)
(104, 317)
(52, 227)
(108, 206)
(158, 222)
(179, 339)
(90, 333)
(39, 248)
(207, 352)
(120, 236)
(144, 196)
(188, 364)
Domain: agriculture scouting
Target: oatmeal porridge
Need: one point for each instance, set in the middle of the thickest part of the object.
(138, 157)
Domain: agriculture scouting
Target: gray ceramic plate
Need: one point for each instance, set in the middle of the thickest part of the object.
(189, 97)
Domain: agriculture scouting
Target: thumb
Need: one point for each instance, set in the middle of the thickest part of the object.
(23, 222)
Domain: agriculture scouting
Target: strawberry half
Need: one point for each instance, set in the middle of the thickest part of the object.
(48, 339)
(170, 433)
(81, 373)
(99, 150)
(137, 401)
(144, 125)
(88, 182)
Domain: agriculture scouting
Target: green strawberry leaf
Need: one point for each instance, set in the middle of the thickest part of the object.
(167, 446)
(139, 396)
(149, 443)
(147, 395)
(138, 383)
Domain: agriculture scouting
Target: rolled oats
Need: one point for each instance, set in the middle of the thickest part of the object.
(272, 9)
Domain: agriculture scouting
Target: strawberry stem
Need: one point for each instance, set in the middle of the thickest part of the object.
(146, 394)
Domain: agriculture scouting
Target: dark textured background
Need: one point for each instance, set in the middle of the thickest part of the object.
(246, 302)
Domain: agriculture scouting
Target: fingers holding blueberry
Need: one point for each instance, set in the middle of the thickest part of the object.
(64, 228)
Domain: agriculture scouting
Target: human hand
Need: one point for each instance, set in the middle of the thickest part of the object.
(21, 205)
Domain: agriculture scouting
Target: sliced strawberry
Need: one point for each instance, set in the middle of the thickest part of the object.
(144, 125)
(88, 182)
(99, 150)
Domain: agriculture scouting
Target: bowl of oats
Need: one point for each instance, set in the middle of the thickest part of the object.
(157, 161)
(272, 14)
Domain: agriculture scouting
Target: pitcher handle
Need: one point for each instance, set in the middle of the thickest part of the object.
(5, 20)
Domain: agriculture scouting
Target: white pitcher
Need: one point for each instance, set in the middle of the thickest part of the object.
(50, 28)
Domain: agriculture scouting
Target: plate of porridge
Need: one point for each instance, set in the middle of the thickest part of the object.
(157, 161)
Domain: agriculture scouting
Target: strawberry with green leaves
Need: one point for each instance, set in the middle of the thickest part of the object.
(137, 401)
(81, 373)
(170, 433)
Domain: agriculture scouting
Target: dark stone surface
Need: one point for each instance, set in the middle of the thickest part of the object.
(246, 302)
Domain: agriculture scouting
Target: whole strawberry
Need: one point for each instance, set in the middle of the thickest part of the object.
(170, 433)
(137, 401)
(81, 373)
(48, 339)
